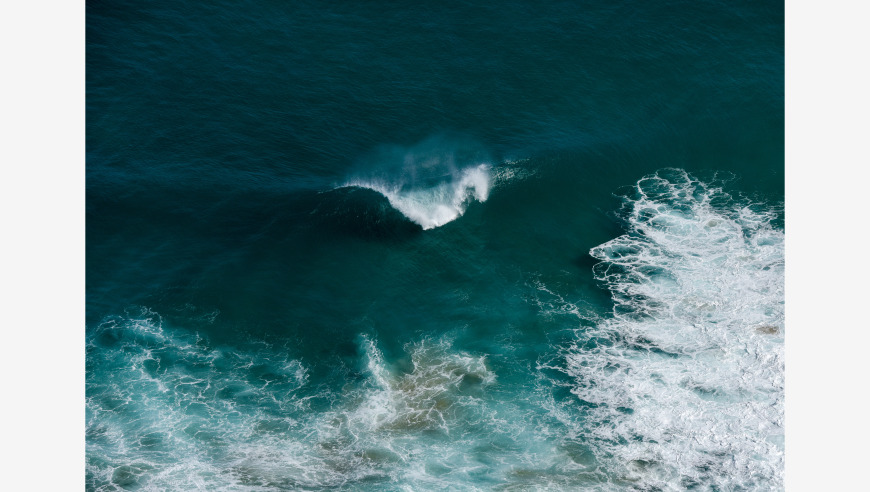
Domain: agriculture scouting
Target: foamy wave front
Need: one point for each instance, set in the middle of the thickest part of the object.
(683, 385)
(433, 205)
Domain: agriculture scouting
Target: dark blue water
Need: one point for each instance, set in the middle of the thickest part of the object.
(393, 246)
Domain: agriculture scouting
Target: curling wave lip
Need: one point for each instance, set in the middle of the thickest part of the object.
(434, 204)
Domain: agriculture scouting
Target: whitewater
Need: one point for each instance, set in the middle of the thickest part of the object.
(680, 386)
(436, 204)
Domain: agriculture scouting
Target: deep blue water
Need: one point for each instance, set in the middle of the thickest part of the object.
(395, 246)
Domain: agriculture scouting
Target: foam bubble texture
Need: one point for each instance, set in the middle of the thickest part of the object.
(682, 386)
(165, 410)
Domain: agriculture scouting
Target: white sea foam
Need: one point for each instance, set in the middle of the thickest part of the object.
(381, 431)
(424, 397)
(167, 411)
(433, 204)
(683, 385)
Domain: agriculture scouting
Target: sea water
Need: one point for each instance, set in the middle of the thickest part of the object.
(395, 246)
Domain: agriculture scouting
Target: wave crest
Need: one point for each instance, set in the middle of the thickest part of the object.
(434, 204)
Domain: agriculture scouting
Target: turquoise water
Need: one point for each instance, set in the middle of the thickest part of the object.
(517, 246)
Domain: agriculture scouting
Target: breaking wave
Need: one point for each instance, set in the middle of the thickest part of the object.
(679, 387)
(433, 204)
(430, 183)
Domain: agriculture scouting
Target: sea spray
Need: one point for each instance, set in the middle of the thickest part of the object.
(435, 205)
(431, 183)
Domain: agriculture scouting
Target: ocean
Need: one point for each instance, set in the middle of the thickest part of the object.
(455, 246)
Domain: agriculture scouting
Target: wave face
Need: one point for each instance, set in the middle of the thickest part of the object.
(432, 183)
(682, 386)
